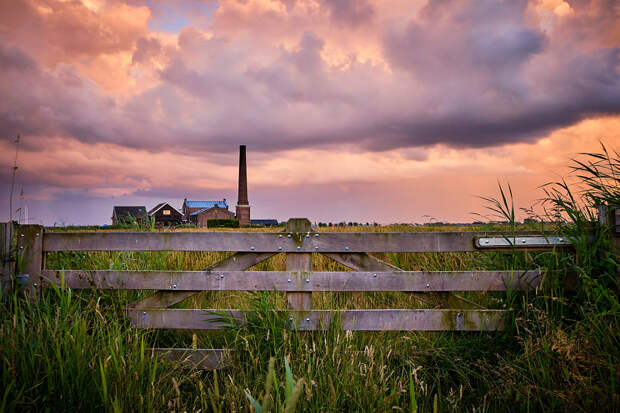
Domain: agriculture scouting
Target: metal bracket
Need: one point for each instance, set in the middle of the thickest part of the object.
(22, 279)
(521, 242)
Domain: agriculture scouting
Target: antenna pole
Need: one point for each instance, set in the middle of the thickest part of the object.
(13, 179)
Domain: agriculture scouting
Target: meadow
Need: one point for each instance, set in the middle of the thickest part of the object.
(560, 351)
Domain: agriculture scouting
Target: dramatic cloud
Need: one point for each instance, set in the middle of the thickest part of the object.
(164, 91)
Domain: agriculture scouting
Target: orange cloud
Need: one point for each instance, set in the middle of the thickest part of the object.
(423, 104)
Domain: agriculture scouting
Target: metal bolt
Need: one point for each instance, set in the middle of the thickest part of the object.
(428, 285)
(374, 275)
(35, 284)
(21, 247)
(290, 319)
(316, 235)
(346, 248)
(279, 248)
(289, 235)
(307, 235)
(523, 241)
(289, 280)
(174, 286)
(307, 280)
(459, 315)
(486, 241)
(221, 275)
(36, 235)
(280, 236)
(308, 320)
(144, 313)
(21, 235)
(298, 248)
(252, 248)
(316, 248)
(561, 239)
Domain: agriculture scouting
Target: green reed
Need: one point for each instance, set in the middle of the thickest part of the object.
(74, 350)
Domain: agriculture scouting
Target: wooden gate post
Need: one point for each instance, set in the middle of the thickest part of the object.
(616, 231)
(611, 217)
(30, 247)
(299, 261)
(7, 259)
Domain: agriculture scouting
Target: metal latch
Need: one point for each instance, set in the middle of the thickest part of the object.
(524, 241)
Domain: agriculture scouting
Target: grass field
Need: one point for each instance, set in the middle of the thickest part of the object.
(74, 350)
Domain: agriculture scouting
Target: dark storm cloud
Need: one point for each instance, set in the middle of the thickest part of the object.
(466, 74)
(496, 79)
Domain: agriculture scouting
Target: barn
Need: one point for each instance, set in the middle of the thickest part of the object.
(165, 214)
(129, 214)
(198, 212)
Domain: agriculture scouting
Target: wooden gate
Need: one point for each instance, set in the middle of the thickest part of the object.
(298, 242)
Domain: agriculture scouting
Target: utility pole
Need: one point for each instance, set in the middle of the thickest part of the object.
(13, 180)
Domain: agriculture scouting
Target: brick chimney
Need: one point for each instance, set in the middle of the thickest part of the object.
(243, 206)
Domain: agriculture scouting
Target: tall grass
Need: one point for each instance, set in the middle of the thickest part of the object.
(74, 350)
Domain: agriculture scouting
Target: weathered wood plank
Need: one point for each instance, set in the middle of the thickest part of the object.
(261, 242)
(301, 262)
(163, 299)
(361, 261)
(298, 281)
(29, 243)
(7, 260)
(365, 262)
(363, 320)
(270, 242)
(202, 358)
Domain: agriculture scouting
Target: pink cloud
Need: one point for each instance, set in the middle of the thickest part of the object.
(328, 95)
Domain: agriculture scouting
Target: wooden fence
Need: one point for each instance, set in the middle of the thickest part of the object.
(298, 242)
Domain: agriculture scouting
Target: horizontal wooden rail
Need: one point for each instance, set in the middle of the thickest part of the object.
(361, 320)
(297, 281)
(276, 242)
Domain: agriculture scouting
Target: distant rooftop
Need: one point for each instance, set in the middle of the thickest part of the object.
(137, 211)
(200, 211)
(206, 204)
(161, 205)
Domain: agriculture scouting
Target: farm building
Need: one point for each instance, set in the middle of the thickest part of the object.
(128, 214)
(166, 215)
(198, 212)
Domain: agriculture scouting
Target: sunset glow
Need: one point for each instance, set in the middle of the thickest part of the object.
(350, 110)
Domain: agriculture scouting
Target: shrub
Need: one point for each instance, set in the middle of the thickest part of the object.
(222, 223)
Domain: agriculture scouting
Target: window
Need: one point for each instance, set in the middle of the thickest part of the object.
(166, 212)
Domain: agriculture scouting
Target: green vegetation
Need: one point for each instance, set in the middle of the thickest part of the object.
(222, 223)
(74, 350)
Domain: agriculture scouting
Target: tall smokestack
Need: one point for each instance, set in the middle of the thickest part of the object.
(243, 206)
(242, 199)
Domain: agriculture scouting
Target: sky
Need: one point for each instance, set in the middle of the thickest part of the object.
(351, 110)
